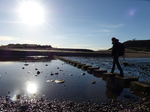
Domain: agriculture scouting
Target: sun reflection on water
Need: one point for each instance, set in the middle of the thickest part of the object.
(31, 88)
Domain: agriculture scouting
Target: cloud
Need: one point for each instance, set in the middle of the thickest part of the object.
(116, 26)
(105, 31)
(113, 26)
(7, 38)
(16, 40)
(27, 41)
(11, 22)
(101, 30)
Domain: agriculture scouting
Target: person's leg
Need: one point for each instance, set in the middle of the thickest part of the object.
(118, 65)
(113, 66)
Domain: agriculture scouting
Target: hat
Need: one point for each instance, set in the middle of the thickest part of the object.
(114, 39)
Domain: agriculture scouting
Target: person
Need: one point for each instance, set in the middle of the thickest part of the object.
(115, 56)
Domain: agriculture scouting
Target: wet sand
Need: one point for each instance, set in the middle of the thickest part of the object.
(138, 54)
(131, 54)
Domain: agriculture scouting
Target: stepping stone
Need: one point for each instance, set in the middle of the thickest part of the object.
(98, 73)
(126, 80)
(106, 75)
(91, 69)
(69, 61)
(79, 65)
(75, 63)
(140, 88)
(85, 67)
(66, 60)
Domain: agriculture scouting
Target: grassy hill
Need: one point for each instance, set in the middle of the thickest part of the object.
(137, 45)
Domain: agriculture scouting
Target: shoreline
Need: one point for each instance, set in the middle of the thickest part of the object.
(22, 53)
(71, 106)
(138, 54)
(131, 54)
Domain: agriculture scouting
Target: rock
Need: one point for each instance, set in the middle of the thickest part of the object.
(38, 72)
(59, 81)
(94, 82)
(18, 96)
(50, 81)
(23, 108)
(71, 74)
(82, 73)
(29, 72)
(128, 64)
(56, 73)
(26, 64)
(51, 74)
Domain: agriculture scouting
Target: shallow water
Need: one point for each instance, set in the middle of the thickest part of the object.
(138, 67)
(33, 80)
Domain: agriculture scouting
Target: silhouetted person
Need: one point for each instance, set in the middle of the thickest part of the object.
(115, 55)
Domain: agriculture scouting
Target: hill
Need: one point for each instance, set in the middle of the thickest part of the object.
(137, 45)
(41, 47)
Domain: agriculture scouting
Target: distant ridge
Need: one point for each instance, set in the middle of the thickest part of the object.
(137, 45)
(41, 47)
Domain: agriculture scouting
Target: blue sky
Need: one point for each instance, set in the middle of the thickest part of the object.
(87, 24)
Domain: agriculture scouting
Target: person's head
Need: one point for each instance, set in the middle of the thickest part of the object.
(114, 39)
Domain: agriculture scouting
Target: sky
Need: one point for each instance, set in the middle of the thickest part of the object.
(85, 24)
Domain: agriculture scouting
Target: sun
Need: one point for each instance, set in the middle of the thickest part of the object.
(31, 12)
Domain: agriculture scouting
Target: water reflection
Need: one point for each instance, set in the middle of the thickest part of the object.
(27, 58)
(38, 77)
(15, 97)
(113, 89)
(31, 87)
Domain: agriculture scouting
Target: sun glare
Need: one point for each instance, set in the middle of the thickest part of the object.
(31, 12)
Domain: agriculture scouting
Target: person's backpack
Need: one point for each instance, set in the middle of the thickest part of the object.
(121, 49)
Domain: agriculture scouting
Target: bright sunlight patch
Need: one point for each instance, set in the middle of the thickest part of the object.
(31, 12)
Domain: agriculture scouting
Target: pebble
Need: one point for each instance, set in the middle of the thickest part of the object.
(60, 81)
(50, 81)
(82, 73)
(71, 74)
(56, 73)
(38, 72)
(26, 64)
(93, 82)
(45, 105)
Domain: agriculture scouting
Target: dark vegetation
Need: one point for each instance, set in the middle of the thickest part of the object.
(28, 46)
(41, 47)
(138, 45)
